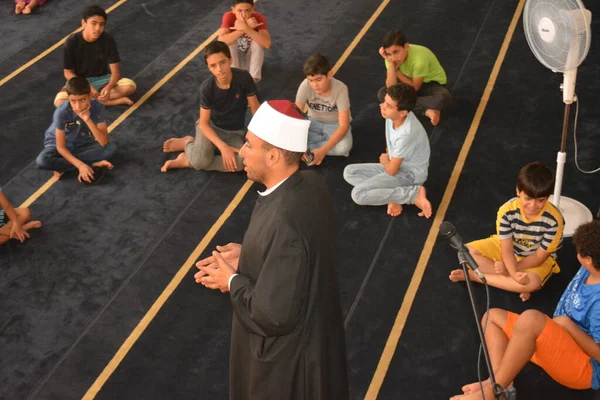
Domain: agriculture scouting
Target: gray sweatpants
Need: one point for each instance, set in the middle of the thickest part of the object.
(374, 187)
(202, 152)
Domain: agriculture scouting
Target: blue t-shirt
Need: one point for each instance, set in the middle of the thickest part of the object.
(411, 143)
(581, 303)
(76, 131)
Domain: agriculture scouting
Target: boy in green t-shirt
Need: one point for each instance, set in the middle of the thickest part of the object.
(418, 67)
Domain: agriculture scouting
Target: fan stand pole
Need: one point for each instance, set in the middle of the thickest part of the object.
(561, 157)
(573, 211)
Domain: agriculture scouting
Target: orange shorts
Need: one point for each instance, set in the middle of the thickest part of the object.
(558, 354)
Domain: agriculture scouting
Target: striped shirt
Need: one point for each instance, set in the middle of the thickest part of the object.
(544, 231)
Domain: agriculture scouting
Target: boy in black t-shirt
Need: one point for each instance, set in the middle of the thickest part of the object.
(224, 99)
(92, 54)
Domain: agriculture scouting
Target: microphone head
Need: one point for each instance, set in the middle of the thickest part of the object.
(447, 230)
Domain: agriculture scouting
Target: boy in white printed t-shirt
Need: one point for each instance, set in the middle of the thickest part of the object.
(328, 110)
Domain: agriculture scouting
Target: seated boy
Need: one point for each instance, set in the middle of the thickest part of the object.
(224, 99)
(399, 176)
(92, 53)
(418, 67)
(13, 221)
(521, 256)
(328, 110)
(245, 32)
(78, 136)
(567, 346)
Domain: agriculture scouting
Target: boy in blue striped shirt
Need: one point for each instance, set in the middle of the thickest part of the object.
(529, 229)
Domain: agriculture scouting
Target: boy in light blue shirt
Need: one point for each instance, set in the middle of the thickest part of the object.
(399, 176)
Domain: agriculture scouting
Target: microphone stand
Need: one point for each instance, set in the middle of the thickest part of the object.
(500, 393)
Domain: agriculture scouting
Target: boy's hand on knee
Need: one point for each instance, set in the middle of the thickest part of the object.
(318, 156)
(521, 278)
(105, 93)
(17, 232)
(86, 173)
(229, 159)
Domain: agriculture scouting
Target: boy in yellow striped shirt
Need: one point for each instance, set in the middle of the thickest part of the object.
(521, 257)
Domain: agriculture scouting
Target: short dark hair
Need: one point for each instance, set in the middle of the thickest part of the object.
(94, 11)
(394, 37)
(236, 2)
(586, 240)
(289, 157)
(216, 47)
(78, 86)
(404, 95)
(316, 64)
(536, 180)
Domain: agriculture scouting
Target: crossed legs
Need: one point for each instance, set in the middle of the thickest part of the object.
(23, 215)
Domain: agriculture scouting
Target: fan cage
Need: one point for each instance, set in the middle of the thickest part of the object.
(568, 43)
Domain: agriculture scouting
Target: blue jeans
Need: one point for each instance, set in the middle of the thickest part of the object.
(320, 132)
(374, 187)
(89, 153)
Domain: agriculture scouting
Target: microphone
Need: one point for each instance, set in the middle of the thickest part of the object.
(448, 232)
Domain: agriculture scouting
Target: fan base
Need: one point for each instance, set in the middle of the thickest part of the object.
(574, 212)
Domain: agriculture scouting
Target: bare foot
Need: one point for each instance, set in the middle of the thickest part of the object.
(394, 209)
(176, 144)
(424, 204)
(57, 175)
(474, 387)
(500, 268)
(103, 164)
(434, 116)
(116, 102)
(32, 4)
(32, 225)
(525, 296)
(19, 8)
(478, 395)
(458, 275)
(127, 101)
(180, 162)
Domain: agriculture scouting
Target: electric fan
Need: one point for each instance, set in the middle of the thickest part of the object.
(558, 33)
